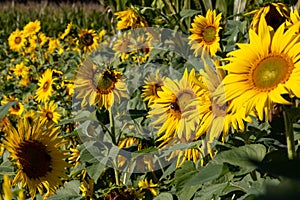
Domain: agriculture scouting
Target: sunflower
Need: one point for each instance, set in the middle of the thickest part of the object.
(270, 69)
(35, 151)
(98, 86)
(294, 18)
(53, 44)
(49, 112)
(121, 46)
(153, 85)
(21, 70)
(129, 19)
(176, 111)
(140, 48)
(45, 86)
(205, 33)
(88, 40)
(16, 40)
(67, 31)
(216, 118)
(16, 109)
(193, 154)
(32, 28)
(275, 14)
(149, 185)
(37, 40)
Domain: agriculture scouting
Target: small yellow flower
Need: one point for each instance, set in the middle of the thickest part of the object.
(129, 19)
(32, 28)
(153, 188)
(17, 109)
(21, 70)
(45, 89)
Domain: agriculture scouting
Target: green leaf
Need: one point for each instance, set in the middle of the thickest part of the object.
(137, 113)
(210, 191)
(242, 156)
(187, 192)
(208, 173)
(4, 108)
(69, 191)
(188, 13)
(164, 196)
(95, 170)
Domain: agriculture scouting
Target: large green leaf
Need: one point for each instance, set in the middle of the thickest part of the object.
(164, 196)
(243, 156)
(69, 191)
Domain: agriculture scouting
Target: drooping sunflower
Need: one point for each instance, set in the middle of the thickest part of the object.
(32, 28)
(67, 31)
(45, 89)
(129, 19)
(87, 40)
(176, 111)
(99, 86)
(270, 69)
(16, 40)
(275, 14)
(205, 33)
(151, 87)
(48, 112)
(35, 151)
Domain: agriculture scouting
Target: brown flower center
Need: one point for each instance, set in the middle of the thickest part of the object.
(271, 71)
(49, 115)
(34, 159)
(209, 34)
(18, 40)
(46, 85)
(105, 82)
(87, 39)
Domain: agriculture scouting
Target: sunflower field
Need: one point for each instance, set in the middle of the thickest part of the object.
(163, 100)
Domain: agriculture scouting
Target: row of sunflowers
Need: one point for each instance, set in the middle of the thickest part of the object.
(198, 102)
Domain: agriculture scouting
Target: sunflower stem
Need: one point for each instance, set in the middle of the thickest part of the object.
(112, 126)
(289, 134)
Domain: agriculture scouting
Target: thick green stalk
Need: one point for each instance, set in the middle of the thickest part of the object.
(288, 123)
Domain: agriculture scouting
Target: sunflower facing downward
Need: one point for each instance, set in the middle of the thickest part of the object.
(205, 33)
(99, 86)
(45, 86)
(270, 69)
(176, 111)
(275, 14)
(129, 19)
(35, 151)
